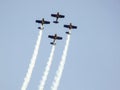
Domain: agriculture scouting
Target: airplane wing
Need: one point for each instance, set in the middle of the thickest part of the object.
(61, 16)
(67, 26)
(38, 21)
(54, 15)
(59, 38)
(74, 27)
(46, 22)
(50, 36)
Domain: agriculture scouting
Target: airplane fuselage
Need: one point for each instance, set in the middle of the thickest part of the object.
(43, 21)
(58, 14)
(55, 37)
(70, 26)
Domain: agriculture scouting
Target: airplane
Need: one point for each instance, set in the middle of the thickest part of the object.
(57, 16)
(42, 23)
(70, 26)
(55, 37)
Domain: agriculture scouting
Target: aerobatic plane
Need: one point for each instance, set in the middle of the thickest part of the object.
(42, 23)
(57, 16)
(70, 26)
(54, 37)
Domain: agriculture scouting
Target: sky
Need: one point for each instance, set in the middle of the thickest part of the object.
(93, 58)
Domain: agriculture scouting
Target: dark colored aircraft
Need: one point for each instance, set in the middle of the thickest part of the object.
(57, 16)
(42, 22)
(55, 37)
(70, 26)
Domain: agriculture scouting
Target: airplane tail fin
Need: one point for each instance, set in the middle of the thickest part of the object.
(55, 22)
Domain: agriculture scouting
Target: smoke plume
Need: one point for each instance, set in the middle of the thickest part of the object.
(57, 78)
(32, 63)
(47, 69)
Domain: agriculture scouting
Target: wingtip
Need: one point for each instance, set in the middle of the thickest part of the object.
(36, 21)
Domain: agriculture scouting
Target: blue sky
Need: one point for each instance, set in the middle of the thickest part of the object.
(93, 60)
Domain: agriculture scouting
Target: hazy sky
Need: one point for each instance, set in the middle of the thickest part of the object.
(93, 60)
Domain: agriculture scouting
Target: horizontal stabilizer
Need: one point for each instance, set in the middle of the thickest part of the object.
(55, 22)
(41, 28)
(67, 32)
(53, 43)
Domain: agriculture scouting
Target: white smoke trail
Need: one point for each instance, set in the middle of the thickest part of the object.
(57, 78)
(32, 63)
(47, 69)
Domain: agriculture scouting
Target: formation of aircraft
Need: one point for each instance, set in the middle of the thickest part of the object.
(42, 23)
(55, 37)
(57, 16)
(70, 26)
